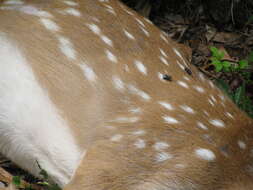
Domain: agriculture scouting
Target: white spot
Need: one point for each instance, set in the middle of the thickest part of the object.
(139, 132)
(187, 109)
(140, 66)
(202, 126)
(111, 56)
(160, 76)
(164, 60)
(213, 98)
(94, 28)
(31, 10)
(67, 47)
(29, 118)
(229, 115)
(128, 35)
(161, 146)
(140, 22)
(186, 78)
(199, 89)
(140, 143)
(148, 21)
(70, 3)
(73, 12)
(180, 65)
(135, 110)
(118, 83)
(145, 32)
(205, 154)
(170, 120)
(49, 24)
(241, 144)
(178, 53)
(88, 72)
(108, 7)
(139, 92)
(13, 2)
(211, 84)
(183, 84)
(111, 11)
(217, 123)
(116, 138)
(129, 12)
(163, 52)
(166, 105)
(126, 119)
(163, 156)
(107, 40)
(211, 102)
(95, 19)
(206, 113)
(222, 97)
(164, 37)
(201, 76)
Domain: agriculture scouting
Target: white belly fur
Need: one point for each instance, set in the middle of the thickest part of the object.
(31, 127)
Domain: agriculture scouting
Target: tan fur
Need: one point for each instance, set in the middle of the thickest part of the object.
(91, 106)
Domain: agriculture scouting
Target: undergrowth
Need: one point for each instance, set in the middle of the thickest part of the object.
(239, 69)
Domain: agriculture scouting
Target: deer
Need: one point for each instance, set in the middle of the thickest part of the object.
(101, 98)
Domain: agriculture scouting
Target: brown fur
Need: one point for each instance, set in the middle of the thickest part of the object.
(89, 107)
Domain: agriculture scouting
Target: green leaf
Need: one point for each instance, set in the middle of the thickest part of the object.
(214, 59)
(221, 55)
(214, 51)
(238, 95)
(226, 64)
(16, 180)
(44, 183)
(218, 67)
(243, 64)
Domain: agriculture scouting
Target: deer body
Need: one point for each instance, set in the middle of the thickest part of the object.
(97, 94)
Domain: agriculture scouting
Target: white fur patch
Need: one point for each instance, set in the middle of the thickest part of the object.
(88, 72)
(31, 128)
(141, 67)
(70, 3)
(28, 9)
(217, 122)
(170, 120)
(139, 92)
(140, 143)
(72, 11)
(14, 2)
(49, 24)
(67, 47)
(205, 154)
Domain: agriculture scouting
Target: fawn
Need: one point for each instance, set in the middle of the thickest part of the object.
(102, 99)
